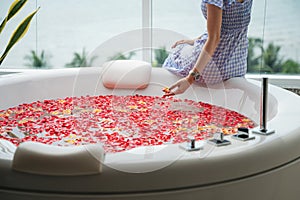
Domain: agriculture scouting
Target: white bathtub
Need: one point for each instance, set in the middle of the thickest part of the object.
(264, 168)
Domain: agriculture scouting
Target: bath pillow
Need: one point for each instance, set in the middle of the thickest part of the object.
(38, 158)
(126, 74)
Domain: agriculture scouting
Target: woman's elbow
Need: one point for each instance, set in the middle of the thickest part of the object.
(215, 40)
(212, 43)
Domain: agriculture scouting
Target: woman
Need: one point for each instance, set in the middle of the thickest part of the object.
(220, 53)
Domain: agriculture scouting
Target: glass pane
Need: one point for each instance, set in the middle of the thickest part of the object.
(256, 35)
(15, 57)
(184, 17)
(282, 37)
(66, 27)
(278, 34)
(174, 20)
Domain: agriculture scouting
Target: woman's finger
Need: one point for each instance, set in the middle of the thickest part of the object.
(177, 43)
(177, 91)
(174, 86)
(169, 94)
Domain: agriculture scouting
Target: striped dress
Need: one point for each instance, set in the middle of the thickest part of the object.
(230, 57)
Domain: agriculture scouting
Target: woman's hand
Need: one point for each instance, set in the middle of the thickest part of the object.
(180, 86)
(190, 42)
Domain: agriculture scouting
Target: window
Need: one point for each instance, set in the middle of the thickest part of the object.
(63, 28)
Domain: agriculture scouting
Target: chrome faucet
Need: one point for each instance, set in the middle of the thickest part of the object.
(263, 110)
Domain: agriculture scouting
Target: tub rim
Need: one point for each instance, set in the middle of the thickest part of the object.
(266, 153)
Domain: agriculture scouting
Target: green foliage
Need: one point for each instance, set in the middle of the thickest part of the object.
(268, 60)
(160, 56)
(120, 56)
(259, 60)
(13, 10)
(253, 61)
(22, 28)
(80, 60)
(37, 61)
(291, 67)
(271, 59)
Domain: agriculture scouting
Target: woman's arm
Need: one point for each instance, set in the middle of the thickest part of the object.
(214, 22)
(190, 42)
(186, 41)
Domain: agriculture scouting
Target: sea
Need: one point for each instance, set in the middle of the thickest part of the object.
(64, 27)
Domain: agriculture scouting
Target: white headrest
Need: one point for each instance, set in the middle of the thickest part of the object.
(38, 158)
(126, 74)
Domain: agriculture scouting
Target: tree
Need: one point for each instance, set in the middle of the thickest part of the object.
(253, 61)
(271, 60)
(80, 60)
(160, 56)
(268, 60)
(37, 61)
(120, 56)
(291, 67)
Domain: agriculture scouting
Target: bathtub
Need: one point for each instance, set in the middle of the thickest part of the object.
(264, 168)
